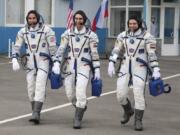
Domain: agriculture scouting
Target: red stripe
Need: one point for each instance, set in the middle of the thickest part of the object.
(70, 21)
(70, 18)
(69, 13)
(94, 25)
(106, 13)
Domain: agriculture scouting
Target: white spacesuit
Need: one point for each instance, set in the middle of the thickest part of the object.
(81, 45)
(40, 42)
(133, 46)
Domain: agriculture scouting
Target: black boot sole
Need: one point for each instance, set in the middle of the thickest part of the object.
(138, 129)
(77, 127)
(36, 122)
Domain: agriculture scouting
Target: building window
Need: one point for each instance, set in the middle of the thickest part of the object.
(15, 11)
(169, 25)
(120, 11)
(136, 12)
(172, 1)
(156, 2)
(44, 7)
(136, 2)
(155, 22)
(117, 23)
(118, 2)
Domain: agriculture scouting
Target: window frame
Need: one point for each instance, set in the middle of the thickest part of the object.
(26, 9)
(127, 7)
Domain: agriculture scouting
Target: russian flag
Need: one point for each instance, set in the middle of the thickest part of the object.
(101, 14)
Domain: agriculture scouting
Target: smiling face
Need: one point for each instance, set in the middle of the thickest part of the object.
(79, 21)
(32, 20)
(133, 25)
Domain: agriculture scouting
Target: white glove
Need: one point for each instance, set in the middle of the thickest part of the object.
(111, 69)
(156, 74)
(15, 64)
(97, 74)
(56, 68)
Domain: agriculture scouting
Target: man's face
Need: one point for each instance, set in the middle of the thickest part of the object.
(133, 25)
(32, 20)
(79, 22)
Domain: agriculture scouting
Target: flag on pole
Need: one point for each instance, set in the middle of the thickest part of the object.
(70, 15)
(101, 14)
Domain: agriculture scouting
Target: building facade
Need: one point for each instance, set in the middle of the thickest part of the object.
(162, 19)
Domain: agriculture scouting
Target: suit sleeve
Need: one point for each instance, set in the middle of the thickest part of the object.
(51, 39)
(151, 51)
(63, 44)
(93, 41)
(118, 49)
(19, 42)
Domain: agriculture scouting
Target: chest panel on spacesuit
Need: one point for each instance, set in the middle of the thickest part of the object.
(79, 45)
(134, 45)
(34, 40)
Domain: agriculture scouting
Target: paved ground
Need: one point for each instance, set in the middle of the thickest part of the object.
(162, 115)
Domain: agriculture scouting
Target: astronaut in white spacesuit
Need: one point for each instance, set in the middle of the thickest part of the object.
(133, 45)
(40, 43)
(81, 44)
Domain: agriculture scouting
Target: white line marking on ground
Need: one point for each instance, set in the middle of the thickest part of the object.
(69, 104)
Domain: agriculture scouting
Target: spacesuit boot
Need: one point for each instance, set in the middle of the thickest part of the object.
(128, 112)
(78, 117)
(138, 126)
(32, 106)
(36, 112)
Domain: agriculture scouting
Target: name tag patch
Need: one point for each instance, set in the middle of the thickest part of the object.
(76, 49)
(33, 46)
(86, 50)
(131, 50)
(141, 51)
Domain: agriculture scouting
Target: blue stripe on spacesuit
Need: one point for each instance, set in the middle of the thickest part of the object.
(35, 63)
(130, 73)
(75, 69)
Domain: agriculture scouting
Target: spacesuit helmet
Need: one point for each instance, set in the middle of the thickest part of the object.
(36, 14)
(82, 13)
